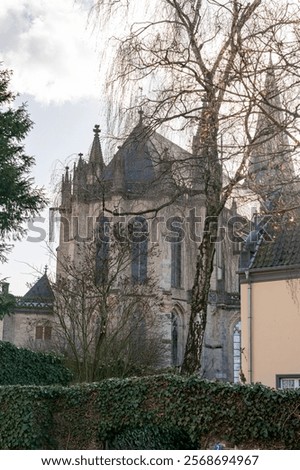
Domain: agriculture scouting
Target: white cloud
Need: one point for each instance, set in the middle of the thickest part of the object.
(49, 48)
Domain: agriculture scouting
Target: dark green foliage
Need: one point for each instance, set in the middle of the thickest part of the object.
(25, 418)
(7, 303)
(152, 438)
(158, 412)
(19, 199)
(25, 367)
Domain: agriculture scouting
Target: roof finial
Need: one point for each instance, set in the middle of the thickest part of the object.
(46, 269)
(97, 129)
(67, 174)
(141, 112)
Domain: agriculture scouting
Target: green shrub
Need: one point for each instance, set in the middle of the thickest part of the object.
(152, 438)
(157, 412)
(24, 367)
(25, 419)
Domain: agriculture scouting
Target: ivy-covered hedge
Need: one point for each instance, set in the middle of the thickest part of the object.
(25, 367)
(25, 418)
(158, 412)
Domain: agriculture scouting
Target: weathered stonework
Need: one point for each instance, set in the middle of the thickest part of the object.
(137, 180)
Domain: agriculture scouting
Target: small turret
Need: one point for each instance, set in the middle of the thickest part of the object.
(80, 179)
(66, 191)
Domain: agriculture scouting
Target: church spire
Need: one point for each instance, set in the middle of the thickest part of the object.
(96, 157)
(270, 166)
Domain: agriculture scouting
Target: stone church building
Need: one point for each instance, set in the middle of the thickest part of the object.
(153, 184)
(147, 182)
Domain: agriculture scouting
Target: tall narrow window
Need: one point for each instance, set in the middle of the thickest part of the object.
(102, 250)
(176, 264)
(237, 352)
(177, 336)
(174, 339)
(139, 251)
(175, 237)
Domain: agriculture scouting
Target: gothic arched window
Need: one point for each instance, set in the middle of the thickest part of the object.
(102, 250)
(174, 225)
(174, 339)
(176, 264)
(139, 250)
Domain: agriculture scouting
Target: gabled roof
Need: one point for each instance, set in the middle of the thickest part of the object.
(143, 157)
(282, 251)
(40, 291)
(136, 158)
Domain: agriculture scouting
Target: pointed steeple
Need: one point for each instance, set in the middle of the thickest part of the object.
(96, 157)
(270, 166)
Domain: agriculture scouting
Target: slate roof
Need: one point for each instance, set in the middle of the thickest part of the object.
(141, 154)
(137, 162)
(40, 291)
(282, 251)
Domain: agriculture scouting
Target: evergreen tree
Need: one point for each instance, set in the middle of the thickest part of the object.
(19, 198)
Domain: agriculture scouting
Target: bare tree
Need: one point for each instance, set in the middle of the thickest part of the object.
(106, 324)
(204, 65)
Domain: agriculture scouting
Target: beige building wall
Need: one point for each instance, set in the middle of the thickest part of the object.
(271, 310)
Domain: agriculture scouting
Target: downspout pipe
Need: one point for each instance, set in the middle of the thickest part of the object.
(249, 307)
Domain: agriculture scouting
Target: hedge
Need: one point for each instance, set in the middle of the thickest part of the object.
(24, 367)
(157, 412)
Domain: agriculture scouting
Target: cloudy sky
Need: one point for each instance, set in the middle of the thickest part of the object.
(54, 56)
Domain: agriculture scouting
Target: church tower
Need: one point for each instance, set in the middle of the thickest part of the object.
(271, 171)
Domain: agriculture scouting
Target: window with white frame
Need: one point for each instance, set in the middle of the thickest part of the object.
(288, 381)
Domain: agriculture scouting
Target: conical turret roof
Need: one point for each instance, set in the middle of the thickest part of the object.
(40, 291)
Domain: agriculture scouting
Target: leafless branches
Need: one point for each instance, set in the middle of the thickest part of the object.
(227, 74)
(105, 324)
